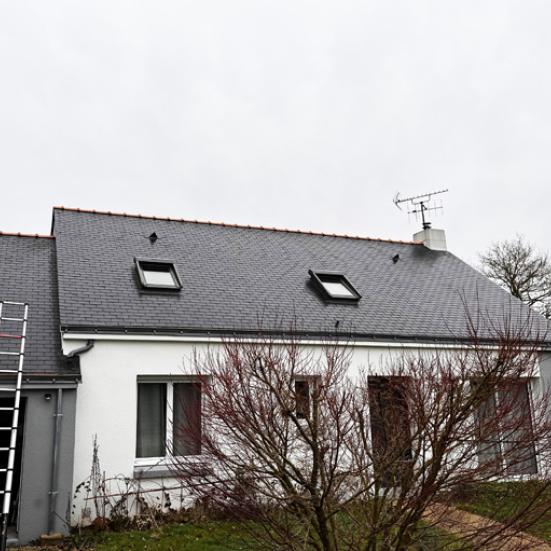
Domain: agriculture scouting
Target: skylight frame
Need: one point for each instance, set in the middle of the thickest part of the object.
(142, 265)
(319, 277)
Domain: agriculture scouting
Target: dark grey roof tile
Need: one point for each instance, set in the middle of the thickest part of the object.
(28, 274)
(235, 278)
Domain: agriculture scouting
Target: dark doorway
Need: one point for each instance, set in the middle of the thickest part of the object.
(390, 430)
(5, 421)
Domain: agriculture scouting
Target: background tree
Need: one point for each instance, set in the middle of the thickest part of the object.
(519, 268)
(317, 456)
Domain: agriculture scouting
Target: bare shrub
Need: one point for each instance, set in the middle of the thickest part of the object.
(315, 453)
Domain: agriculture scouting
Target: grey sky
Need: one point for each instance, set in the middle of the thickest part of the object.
(293, 113)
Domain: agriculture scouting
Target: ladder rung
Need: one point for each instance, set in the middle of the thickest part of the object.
(5, 389)
(15, 303)
(9, 371)
(7, 408)
(7, 428)
(9, 353)
(12, 319)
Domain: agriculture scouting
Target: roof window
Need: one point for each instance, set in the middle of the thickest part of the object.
(335, 286)
(158, 274)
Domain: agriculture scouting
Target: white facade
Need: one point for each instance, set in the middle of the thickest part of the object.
(107, 397)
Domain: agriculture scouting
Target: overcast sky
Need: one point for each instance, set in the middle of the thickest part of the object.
(291, 113)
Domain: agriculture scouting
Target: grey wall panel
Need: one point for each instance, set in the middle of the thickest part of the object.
(37, 462)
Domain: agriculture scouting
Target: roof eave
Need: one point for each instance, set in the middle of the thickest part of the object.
(301, 335)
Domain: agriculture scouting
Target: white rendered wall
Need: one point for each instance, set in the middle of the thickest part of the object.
(107, 401)
(107, 397)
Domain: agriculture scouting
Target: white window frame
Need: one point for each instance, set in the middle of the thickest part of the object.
(500, 443)
(169, 381)
(312, 380)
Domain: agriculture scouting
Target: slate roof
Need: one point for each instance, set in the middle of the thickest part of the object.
(243, 279)
(28, 274)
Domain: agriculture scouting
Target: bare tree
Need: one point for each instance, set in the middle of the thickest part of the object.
(519, 268)
(317, 454)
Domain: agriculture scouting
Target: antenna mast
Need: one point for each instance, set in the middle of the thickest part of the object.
(418, 204)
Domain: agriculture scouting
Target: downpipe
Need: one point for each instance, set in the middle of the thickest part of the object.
(53, 493)
(58, 416)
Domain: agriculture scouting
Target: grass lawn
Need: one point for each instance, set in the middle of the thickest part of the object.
(205, 536)
(501, 500)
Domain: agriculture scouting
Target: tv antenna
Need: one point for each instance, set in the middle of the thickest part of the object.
(418, 204)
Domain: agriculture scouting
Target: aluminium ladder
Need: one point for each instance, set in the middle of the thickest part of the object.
(13, 320)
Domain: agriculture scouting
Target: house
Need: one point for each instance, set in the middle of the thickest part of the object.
(118, 303)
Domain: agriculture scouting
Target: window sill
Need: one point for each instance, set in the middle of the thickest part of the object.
(166, 467)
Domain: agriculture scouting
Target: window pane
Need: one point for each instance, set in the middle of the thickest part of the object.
(489, 434)
(158, 277)
(151, 420)
(186, 430)
(337, 289)
(302, 398)
(518, 440)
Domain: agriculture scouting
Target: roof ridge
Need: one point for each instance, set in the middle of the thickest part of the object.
(240, 226)
(19, 234)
